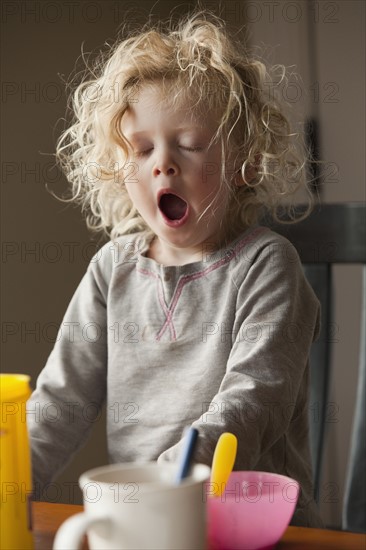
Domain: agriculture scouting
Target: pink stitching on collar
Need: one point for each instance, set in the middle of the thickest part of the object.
(164, 307)
(187, 278)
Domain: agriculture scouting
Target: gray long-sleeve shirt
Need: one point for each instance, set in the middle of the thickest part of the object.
(221, 344)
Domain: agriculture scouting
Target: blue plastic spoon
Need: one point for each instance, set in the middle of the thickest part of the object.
(185, 459)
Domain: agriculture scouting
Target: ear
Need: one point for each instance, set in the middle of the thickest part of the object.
(251, 172)
(250, 175)
(238, 180)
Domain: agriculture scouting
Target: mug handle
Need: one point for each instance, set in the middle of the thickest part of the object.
(70, 535)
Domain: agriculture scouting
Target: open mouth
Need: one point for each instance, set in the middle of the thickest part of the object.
(173, 207)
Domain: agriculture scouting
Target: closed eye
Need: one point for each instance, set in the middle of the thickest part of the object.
(190, 149)
(142, 153)
(193, 149)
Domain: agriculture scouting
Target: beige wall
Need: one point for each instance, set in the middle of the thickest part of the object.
(326, 43)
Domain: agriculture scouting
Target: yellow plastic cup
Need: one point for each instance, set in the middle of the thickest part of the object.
(15, 464)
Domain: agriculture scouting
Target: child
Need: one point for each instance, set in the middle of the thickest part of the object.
(193, 314)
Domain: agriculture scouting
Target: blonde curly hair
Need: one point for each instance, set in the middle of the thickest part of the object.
(195, 62)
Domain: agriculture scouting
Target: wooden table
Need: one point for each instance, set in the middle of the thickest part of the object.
(48, 517)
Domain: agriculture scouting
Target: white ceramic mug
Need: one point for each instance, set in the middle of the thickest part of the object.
(138, 507)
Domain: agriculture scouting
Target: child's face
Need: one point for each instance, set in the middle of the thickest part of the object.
(176, 176)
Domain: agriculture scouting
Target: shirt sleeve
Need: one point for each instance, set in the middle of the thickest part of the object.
(277, 318)
(70, 389)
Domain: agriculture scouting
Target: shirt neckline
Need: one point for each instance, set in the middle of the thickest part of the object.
(225, 252)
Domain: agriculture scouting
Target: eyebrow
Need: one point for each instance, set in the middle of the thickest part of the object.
(181, 129)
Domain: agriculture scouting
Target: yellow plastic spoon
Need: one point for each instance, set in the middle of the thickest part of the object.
(223, 462)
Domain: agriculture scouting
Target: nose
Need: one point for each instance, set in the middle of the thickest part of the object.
(165, 164)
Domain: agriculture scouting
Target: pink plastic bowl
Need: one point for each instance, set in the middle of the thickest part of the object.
(252, 513)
